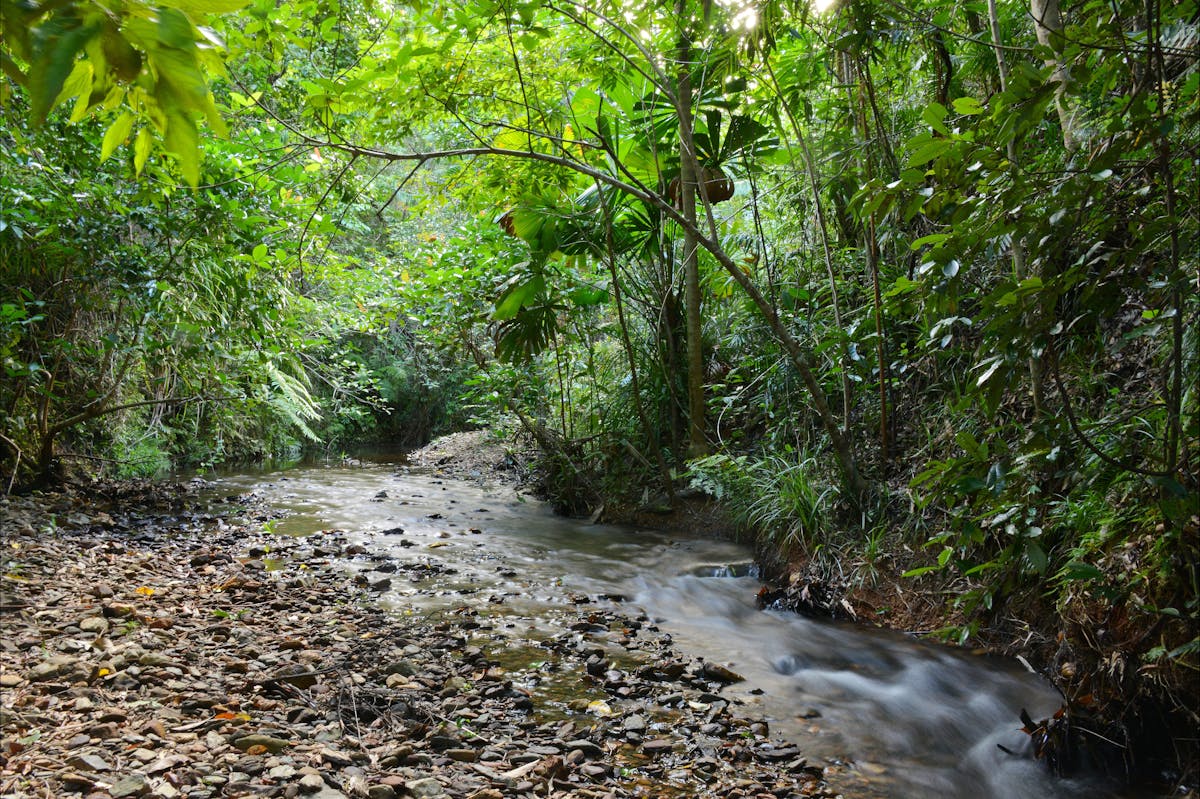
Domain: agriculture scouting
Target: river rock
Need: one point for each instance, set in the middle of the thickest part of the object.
(89, 762)
(311, 783)
(51, 668)
(658, 746)
(269, 743)
(425, 788)
(131, 785)
(93, 624)
(718, 673)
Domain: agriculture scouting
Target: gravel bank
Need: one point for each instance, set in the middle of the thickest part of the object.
(153, 647)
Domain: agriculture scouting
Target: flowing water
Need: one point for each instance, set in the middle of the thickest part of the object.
(897, 717)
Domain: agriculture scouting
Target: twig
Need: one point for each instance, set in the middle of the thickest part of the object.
(16, 464)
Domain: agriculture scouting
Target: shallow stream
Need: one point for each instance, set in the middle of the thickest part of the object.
(894, 716)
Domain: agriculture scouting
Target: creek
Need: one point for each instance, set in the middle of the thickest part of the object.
(894, 716)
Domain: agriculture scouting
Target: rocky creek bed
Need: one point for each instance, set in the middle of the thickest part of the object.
(156, 646)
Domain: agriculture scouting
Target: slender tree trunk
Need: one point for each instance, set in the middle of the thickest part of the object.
(1048, 25)
(873, 264)
(1173, 372)
(697, 438)
(1020, 270)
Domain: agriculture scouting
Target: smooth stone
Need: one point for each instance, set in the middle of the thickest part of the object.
(87, 762)
(335, 758)
(425, 788)
(272, 744)
(94, 624)
(327, 793)
(132, 785)
(589, 748)
(658, 746)
(311, 783)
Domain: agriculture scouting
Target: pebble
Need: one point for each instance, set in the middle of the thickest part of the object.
(426, 788)
(311, 783)
(94, 624)
(132, 785)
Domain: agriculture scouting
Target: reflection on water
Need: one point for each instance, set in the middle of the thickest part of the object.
(907, 719)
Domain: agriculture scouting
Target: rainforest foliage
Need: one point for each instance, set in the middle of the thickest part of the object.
(911, 288)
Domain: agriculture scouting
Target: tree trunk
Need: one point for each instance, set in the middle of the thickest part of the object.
(1020, 270)
(697, 438)
(1048, 25)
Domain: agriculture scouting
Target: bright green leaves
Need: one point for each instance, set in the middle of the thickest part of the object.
(934, 115)
(53, 48)
(928, 149)
(968, 106)
(520, 292)
(116, 134)
(155, 60)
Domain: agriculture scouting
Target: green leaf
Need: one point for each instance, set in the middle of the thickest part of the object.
(933, 239)
(585, 296)
(183, 141)
(970, 445)
(518, 296)
(929, 151)
(54, 63)
(1078, 570)
(991, 364)
(141, 150)
(1036, 556)
(967, 106)
(175, 30)
(78, 83)
(179, 71)
(116, 134)
(934, 115)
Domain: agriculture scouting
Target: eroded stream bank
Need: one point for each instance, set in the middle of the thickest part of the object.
(482, 648)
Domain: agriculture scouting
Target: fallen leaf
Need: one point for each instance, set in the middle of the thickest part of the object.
(599, 708)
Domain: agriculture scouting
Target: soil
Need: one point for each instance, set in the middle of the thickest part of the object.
(481, 455)
(158, 643)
